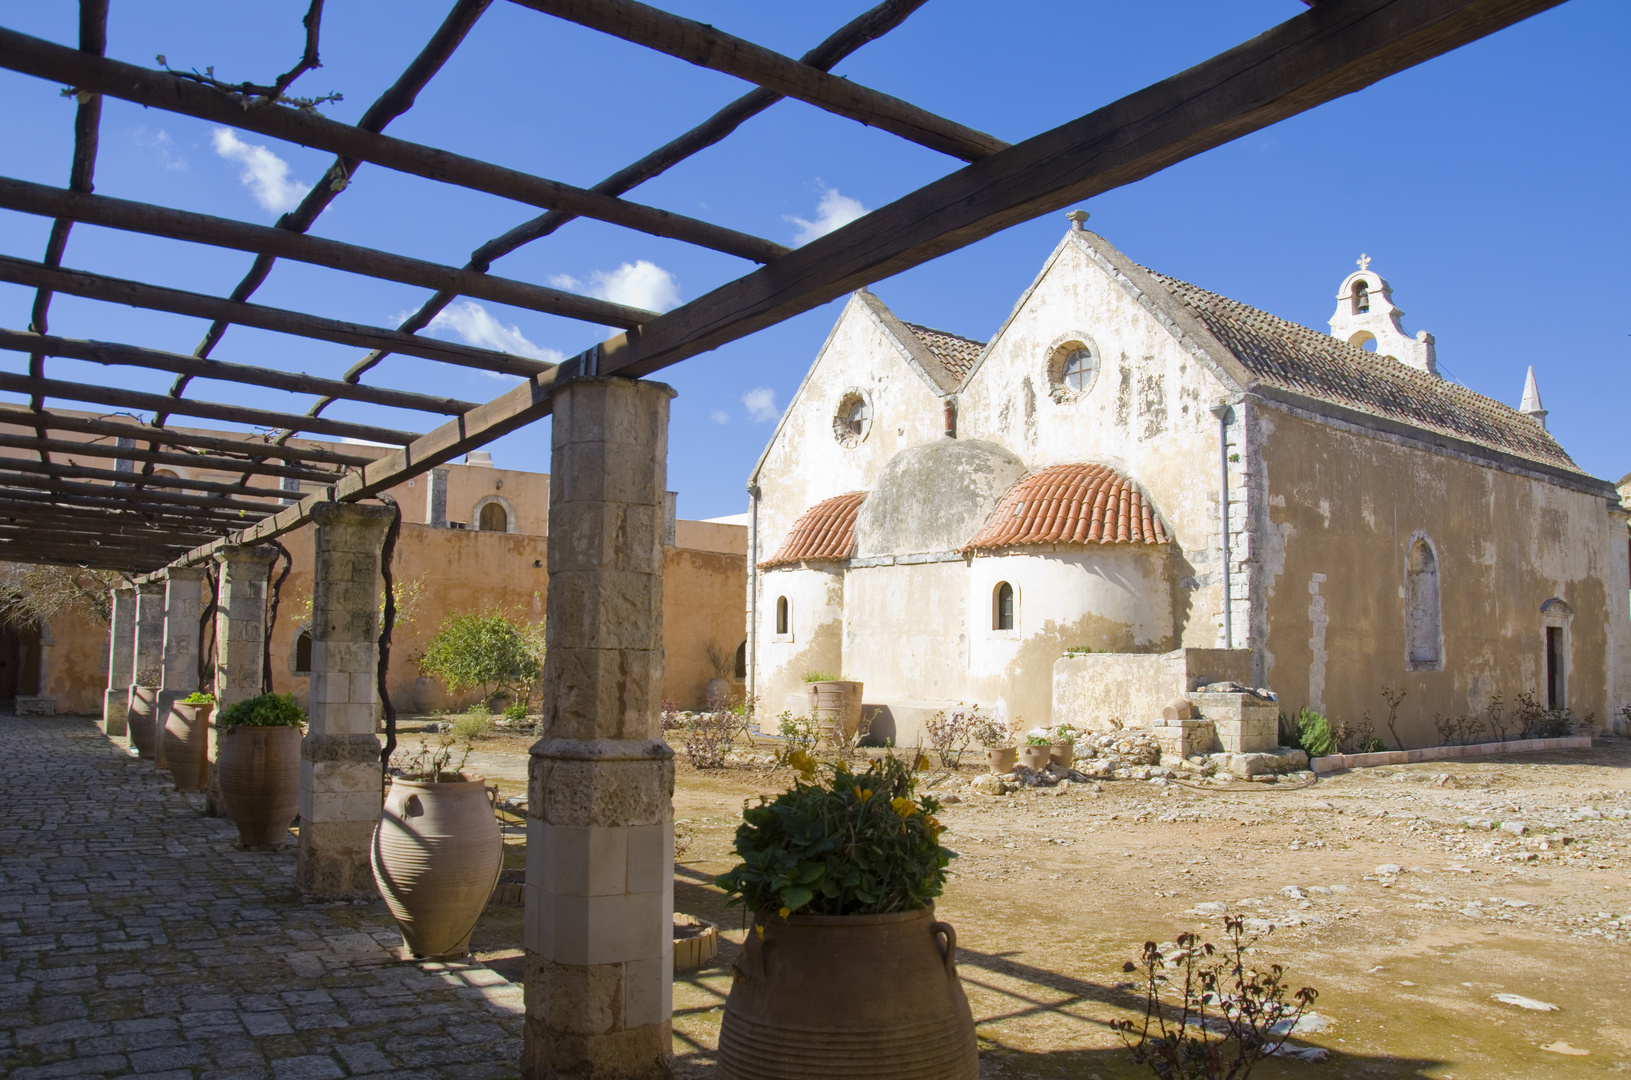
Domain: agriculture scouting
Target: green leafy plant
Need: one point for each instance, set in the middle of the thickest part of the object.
(489, 650)
(199, 697)
(845, 844)
(1038, 740)
(1065, 734)
(266, 710)
(476, 723)
(515, 710)
(1314, 734)
(1221, 1016)
(819, 676)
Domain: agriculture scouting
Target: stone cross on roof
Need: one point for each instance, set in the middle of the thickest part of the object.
(1363, 261)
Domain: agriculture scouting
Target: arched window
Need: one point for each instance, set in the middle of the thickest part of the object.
(740, 670)
(784, 620)
(493, 518)
(302, 653)
(1002, 607)
(1555, 617)
(1361, 296)
(1422, 614)
(1078, 371)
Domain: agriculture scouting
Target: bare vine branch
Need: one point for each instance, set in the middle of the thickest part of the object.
(254, 95)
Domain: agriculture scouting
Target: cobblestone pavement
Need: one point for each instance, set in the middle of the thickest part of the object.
(137, 940)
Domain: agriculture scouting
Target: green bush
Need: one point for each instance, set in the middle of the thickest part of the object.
(476, 723)
(199, 697)
(1314, 734)
(489, 650)
(515, 710)
(267, 710)
(819, 676)
(847, 844)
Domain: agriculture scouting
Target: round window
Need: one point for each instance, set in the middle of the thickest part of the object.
(1072, 367)
(853, 418)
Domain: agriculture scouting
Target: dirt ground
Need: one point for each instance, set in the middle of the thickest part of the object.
(1425, 890)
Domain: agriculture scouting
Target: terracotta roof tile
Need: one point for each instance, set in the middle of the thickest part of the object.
(957, 353)
(1321, 366)
(1071, 504)
(825, 531)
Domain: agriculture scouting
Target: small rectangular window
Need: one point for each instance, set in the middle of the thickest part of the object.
(1556, 697)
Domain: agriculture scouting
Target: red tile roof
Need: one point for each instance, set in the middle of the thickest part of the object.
(825, 531)
(1071, 504)
(957, 353)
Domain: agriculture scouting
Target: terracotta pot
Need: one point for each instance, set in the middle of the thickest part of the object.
(874, 996)
(259, 771)
(1063, 753)
(1001, 759)
(835, 705)
(185, 742)
(716, 694)
(437, 854)
(144, 701)
(1035, 757)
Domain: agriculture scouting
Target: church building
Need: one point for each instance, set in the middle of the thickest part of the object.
(1175, 488)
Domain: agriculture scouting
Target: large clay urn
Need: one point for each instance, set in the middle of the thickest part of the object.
(835, 705)
(259, 770)
(826, 997)
(144, 703)
(437, 854)
(185, 741)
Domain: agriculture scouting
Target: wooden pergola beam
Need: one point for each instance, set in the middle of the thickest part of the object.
(105, 452)
(107, 352)
(92, 558)
(13, 474)
(42, 199)
(32, 505)
(254, 447)
(236, 414)
(114, 476)
(158, 298)
(700, 44)
(98, 525)
(161, 90)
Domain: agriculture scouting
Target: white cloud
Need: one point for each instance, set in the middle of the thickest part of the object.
(475, 325)
(640, 284)
(720, 416)
(761, 404)
(832, 212)
(265, 174)
(164, 146)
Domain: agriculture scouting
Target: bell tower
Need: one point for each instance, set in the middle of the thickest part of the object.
(1366, 312)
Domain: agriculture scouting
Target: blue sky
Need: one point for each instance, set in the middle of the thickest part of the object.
(1487, 186)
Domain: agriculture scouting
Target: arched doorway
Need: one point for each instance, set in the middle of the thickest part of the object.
(19, 662)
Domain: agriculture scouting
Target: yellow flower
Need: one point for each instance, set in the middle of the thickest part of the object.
(903, 806)
(786, 911)
(863, 794)
(761, 929)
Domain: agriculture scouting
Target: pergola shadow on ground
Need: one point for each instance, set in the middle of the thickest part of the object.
(135, 936)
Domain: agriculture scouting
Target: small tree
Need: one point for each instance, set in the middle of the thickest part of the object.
(487, 650)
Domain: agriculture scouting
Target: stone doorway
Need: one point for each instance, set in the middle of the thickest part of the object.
(19, 662)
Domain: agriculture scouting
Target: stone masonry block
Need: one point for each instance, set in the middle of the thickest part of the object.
(1251, 736)
(648, 989)
(636, 1053)
(579, 1000)
(581, 860)
(651, 856)
(606, 609)
(567, 791)
(604, 929)
(333, 859)
(602, 693)
(607, 536)
(594, 472)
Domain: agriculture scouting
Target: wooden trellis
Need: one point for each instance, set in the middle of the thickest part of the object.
(124, 513)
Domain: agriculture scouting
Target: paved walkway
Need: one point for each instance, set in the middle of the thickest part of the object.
(137, 940)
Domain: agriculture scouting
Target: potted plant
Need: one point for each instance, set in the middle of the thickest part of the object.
(1064, 745)
(144, 703)
(258, 763)
(1037, 751)
(722, 662)
(437, 851)
(1000, 752)
(186, 740)
(835, 704)
(845, 972)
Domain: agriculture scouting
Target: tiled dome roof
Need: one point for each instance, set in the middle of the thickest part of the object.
(825, 531)
(1071, 504)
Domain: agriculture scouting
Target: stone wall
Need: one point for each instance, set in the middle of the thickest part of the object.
(1089, 691)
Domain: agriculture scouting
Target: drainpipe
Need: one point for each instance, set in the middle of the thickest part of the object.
(753, 597)
(1222, 411)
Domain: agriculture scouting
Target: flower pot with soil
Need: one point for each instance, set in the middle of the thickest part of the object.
(186, 741)
(437, 853)
(144, 703)
(1064, 745)
(258, 764)
(1036, 754)
(846, 972)
(1001, 759)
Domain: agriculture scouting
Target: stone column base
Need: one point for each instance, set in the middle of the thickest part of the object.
(116, 711)
(34, 705)
(341, 793)
(564, 1002)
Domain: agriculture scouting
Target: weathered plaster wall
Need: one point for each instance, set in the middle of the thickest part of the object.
(702, 603)
(1145, 412)
(75, 662)
(1098, 691)
(1341, 510)
(814, 641)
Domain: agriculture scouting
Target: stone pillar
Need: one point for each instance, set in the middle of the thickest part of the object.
(147, 651)
(179, 664)
(436, 498)
(600, 843)
(340, 783)
(240, 640)
(121, 658)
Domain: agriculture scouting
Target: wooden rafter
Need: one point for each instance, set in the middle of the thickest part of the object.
(90, 472)
(105, 452)
(15, 476)
(253, 447)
